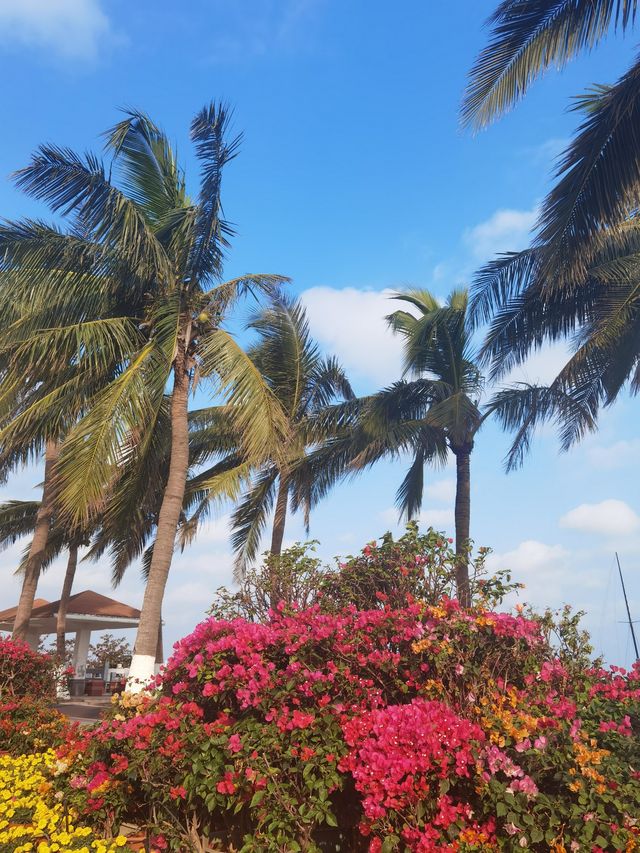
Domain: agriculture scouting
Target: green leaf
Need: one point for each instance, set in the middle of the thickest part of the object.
(257, 799)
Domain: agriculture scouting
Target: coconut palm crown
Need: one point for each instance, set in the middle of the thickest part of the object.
(598, 176)
(138, 241)
(305, 383)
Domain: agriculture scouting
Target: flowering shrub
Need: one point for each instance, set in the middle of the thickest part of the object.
(30, 726)
(415, 567)
(32, 820)
(417, 726)
(131, 766)
(28, 722)
(24, 672)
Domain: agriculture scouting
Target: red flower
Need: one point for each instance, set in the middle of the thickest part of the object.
(226, 784)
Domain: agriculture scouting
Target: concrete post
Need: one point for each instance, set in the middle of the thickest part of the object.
(81, 652)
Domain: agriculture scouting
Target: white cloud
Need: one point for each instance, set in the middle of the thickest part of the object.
(215, 531)
(436, 517)
(350, 324)
(529, 558)
(504, 231)
(617, 455)
(440, 519)
(542, 366)
(610, 518)
(72, 28)
(442, 490)
(547, 571)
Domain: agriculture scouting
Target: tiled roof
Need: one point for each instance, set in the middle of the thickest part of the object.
(87, 603)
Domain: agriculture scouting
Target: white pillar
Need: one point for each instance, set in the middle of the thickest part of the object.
(81, 652)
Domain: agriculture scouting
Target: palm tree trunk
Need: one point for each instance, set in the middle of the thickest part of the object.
(280, 518)
(160, 646)
(144, 654)
(463, 521)
(67, 586)
(277, 535)
(37, 547)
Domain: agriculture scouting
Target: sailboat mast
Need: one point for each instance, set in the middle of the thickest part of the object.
(626, 602)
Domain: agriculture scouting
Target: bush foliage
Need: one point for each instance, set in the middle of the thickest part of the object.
(28, 720)
(403, 725)
(24, 672)
(29, 822)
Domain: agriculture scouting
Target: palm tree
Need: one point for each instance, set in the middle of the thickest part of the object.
(447, 384)
(435, 412)
(305, 383)
(598, 184)
(140, 242)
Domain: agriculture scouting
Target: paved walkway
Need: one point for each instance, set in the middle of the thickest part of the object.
(84, 709)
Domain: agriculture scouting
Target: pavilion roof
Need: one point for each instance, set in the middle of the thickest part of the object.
(87, 603)
(10, 612)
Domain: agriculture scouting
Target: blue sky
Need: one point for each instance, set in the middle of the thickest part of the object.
(355, 180)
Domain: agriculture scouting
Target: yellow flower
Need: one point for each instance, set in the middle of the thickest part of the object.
(25, 784)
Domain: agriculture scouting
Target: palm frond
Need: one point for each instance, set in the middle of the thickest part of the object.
(250, 518)
(409, 494)
(209, 131)
(211, 489)
(499, 281)
(103, 441)
(220, 298)
(285, 354)
(129, 514)
(48, 413)
(253, 408)
(525, 407)
(527, 38)
(68, 275)
(17, 519)
(95, 345)
(73, 185)
(147, 165)
(328, 381)
(599, 184)
(57, 541)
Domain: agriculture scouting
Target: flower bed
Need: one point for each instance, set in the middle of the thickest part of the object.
(398, 722)
(32, 820)
(27, 725)
(24, 672)
(423, 728)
